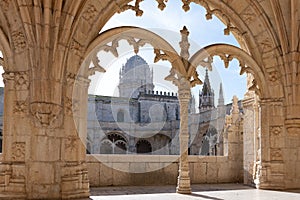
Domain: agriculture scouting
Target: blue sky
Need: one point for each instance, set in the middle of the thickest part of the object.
(168, 24)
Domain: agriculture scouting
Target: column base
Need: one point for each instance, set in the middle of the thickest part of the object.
(184, 186)
(181, 190)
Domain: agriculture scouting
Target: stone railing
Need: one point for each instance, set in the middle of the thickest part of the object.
(125, 170)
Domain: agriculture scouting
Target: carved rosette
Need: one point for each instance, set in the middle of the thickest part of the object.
(276, 130)
(46, 115)
(21, 107)
(18, 151)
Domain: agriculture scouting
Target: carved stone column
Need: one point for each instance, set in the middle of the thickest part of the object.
(184, 183)
(270, 173)
(16, 141)
(74, 178)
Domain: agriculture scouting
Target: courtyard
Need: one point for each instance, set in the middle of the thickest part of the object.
(200, 192)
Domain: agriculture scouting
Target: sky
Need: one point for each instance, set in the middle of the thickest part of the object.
(168, 24)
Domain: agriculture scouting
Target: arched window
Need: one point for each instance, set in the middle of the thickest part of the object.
(120, 116)
(113, 143)
(143, 146)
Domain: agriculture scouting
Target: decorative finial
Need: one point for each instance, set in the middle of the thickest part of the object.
(185, 45)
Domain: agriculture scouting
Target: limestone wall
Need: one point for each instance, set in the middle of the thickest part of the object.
(159, 170)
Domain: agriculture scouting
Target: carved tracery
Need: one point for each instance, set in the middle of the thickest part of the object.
(227, 53)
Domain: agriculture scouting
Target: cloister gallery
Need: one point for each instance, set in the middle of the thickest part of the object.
(46, 46)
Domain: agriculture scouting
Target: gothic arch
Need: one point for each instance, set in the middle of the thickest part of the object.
(261, 43)
(227, 53)
(162, 48)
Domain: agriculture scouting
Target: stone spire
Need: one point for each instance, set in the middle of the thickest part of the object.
(221, 96)
(206, 96)
(206, 86)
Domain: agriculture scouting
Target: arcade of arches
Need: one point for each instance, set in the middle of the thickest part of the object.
(45, 42)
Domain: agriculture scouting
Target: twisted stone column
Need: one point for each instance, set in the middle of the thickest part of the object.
(184, 183)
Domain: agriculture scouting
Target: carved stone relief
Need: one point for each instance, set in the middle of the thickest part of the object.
(8, 76)
(276, 130)
(4, 4)
(19, 41)
(71, 143)
(71, 106)
(273, 76)
(135, 8)
(76, 47)
(18, 151)
(21, 81)
(276, 154)
(46, 114)
(90, 13)
(21, 107)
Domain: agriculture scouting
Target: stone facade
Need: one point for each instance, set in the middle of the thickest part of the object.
(44, 44)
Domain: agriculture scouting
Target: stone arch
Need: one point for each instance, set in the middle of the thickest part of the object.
(114, 143)
(143, 146)
(162, 48)
(239, 20)
(227, 53)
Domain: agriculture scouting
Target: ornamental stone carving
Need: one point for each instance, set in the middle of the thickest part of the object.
(8, 76)
(276, 130)
(76, 47)
(18, 151)
(21, 81)
(71, 106)
(90, 13)
(21, 107)
(4, 4)
(276, 154)
(135, 8)
(273, 76)
(19, 41)
(46, 115)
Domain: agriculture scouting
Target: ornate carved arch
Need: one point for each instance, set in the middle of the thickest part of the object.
(227, 53)
(262, 43)
(136, 37)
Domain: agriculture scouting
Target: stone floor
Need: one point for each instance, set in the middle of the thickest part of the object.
(200, 192)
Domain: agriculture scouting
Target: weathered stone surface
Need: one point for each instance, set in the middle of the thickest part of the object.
(44, 42)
